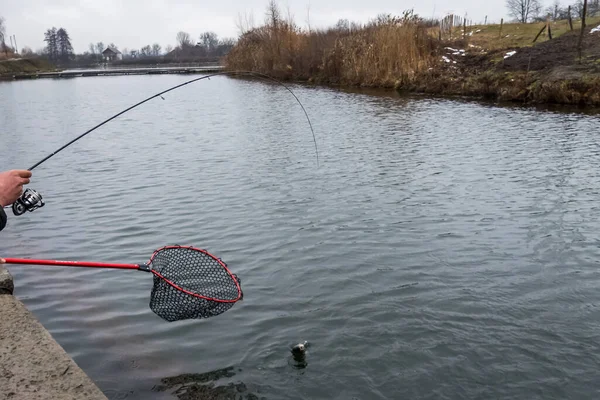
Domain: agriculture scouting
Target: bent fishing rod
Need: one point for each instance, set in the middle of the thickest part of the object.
(31, 200)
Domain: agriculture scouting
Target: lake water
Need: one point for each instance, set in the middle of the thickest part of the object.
(442, 249)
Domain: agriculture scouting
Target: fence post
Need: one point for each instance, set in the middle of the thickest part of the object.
(579, 45)
(570, 19)
(501, 23)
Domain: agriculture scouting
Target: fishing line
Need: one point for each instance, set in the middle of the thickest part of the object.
(31, 200)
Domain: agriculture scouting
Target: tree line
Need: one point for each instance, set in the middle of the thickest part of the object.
(58, 45)
(209, 45)
(532, 10)
(59, 48)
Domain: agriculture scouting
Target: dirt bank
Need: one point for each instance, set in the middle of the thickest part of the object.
(548, 72)
(16, 66)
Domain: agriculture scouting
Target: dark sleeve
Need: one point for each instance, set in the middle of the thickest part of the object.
(2, 218)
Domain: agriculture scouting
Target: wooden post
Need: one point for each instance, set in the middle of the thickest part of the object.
(465, 27)
(580, 44)
(549, 28)
(485, 20)
(540, 32)
(570, 19)
(501, 23)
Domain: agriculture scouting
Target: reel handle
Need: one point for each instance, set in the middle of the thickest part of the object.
(30, 200)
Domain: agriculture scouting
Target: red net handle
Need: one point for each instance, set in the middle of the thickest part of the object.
(72, 263)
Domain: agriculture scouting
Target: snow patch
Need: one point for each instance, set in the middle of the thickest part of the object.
(596, 29)
(446, 59)
(510, 54)
(456, 52)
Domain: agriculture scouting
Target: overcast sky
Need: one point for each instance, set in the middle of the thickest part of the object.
(134, 23)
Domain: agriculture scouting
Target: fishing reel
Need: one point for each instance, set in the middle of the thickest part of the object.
(30, 200)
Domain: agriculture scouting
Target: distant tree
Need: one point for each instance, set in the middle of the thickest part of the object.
(146, 51)
(343, 25)
(156, 49)
(63, 43)
(210, 40)
(224, 46)
(593, 7)
(578, 9)
(50, 37)
(2, 33)
(168, 49)
(273, 15)
(27, 52)
(99, 47)
(555, 11)
(523, 10)
(184, 39)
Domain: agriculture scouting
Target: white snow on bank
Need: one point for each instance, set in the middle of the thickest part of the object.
(446, 59)
(456, 52)
(510, 54)
(596, 29)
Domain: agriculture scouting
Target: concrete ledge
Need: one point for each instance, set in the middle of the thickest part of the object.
(33, 365)
(7, 285)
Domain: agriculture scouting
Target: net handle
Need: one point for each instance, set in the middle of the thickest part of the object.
(88, 264)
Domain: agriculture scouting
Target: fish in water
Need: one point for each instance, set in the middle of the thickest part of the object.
(300, 348)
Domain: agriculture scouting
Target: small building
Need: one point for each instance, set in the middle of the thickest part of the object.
(111, 54)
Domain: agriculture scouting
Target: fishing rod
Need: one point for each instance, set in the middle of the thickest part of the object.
(31, 200)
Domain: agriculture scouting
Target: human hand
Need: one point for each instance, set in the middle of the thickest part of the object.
(11, 185)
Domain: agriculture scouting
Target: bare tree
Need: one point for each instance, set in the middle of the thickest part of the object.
(555, 11)
(2, 33)
(184, 39)
(593, 8)
(156, 49)
(523, 10)
(245, 23)
(273, 15)
(343, 25)
(99, 47)
(168, 49)
(146, 51)
(210, 40)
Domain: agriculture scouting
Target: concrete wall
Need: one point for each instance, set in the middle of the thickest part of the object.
(33, 365)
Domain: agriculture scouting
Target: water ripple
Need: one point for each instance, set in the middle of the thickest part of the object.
(443, 249)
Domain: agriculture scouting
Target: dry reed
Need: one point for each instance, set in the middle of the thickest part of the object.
(387, 52)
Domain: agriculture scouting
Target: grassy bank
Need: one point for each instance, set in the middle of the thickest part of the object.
(411, 54)
(16, 66)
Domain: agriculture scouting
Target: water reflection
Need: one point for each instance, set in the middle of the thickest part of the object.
(203, 386)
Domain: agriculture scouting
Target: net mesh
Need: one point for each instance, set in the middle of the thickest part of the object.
(204, 289)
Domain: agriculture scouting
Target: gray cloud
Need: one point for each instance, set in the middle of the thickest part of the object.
(135, 23)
